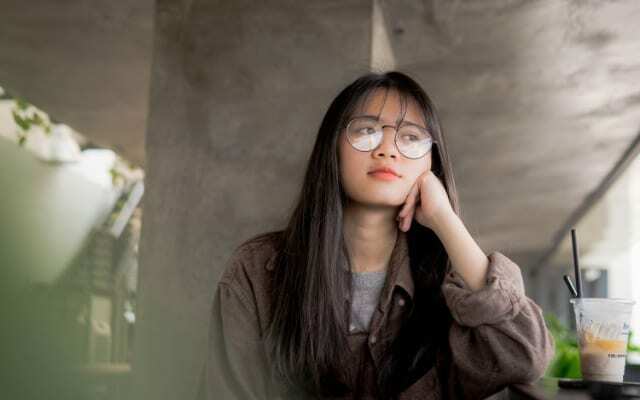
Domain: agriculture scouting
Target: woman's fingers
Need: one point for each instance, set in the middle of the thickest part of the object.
(412, 212)
(409, 208)
(409, 202)
(406, 222)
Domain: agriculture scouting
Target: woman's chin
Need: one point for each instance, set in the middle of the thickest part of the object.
(381, 202)
(389, 198)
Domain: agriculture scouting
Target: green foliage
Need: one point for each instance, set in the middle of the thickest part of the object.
(117, 177)
(566, 362)
(631, 348)
(27, 117)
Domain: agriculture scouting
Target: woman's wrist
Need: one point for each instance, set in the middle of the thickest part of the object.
(467, 258)
(443, 220)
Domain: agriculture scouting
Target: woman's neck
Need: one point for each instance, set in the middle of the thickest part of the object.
(370, 235)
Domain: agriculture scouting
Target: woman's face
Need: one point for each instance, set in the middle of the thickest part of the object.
(359, 184)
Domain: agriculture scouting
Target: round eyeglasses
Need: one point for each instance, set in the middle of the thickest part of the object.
(365, 134)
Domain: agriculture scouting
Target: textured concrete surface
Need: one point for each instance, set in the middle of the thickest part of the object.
(238, 91)
(538, 98)
(86, 63)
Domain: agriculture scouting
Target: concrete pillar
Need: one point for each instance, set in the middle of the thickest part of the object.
(238, 91)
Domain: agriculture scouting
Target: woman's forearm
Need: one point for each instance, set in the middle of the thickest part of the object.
(467, 258)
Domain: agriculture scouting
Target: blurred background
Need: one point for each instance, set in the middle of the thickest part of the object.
(141, 142)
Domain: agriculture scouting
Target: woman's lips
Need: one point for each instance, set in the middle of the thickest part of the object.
(386, 176)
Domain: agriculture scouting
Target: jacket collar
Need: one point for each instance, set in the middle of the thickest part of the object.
(399, 272)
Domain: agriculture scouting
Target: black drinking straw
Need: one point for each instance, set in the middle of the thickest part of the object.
(572, 289)
(575, 263)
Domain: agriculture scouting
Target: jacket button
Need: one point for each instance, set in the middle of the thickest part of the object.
(372, 339)
(401, 302)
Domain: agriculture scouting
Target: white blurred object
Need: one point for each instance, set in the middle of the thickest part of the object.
(37, 142)
(62, 145)
(592, 274)
(95, 166)
(133, 199)
(633, 358)
(58, 146)
(128, 314)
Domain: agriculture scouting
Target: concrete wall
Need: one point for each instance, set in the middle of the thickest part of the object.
(238, 91)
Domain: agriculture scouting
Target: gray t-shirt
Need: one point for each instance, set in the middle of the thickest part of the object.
(365, 297)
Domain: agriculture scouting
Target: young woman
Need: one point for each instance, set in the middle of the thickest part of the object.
(375, 289)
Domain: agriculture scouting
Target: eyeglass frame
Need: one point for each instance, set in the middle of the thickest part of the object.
(395, 138)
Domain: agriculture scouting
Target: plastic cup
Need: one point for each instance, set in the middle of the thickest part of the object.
(603, 332)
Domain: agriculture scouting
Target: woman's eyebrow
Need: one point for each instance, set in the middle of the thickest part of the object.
(404, 122)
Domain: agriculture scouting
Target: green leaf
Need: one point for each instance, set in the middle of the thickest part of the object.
(37, 119)
(566, 362)
(22, 104)
(23, 123)
(632, 347)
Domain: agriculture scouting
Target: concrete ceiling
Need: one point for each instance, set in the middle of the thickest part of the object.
(86, 63)
(538, 99)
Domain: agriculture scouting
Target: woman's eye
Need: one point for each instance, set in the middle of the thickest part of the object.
(368, 131)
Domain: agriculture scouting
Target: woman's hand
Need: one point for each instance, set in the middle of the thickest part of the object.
(427, 201)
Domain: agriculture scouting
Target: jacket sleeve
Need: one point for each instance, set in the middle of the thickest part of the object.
(235, 364)
(498, 336)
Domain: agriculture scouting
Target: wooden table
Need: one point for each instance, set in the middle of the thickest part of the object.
(547, 388)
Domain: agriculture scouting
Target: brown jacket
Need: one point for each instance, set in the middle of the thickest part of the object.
(498, 336)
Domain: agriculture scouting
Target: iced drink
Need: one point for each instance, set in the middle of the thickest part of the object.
(603, 331)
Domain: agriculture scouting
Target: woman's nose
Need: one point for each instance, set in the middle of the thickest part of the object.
(388, 146)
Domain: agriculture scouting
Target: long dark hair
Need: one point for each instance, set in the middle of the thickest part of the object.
(307, 336)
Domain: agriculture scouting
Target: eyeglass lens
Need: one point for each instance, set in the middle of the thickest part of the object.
(365, 134)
